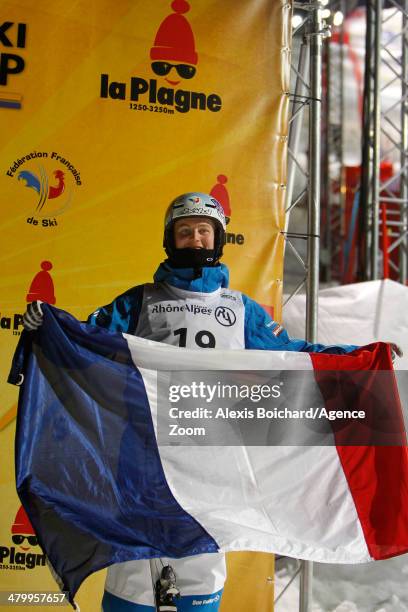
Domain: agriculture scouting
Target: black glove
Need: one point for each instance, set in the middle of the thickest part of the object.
(396, 351)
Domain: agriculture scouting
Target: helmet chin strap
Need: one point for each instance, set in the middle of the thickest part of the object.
(193, 258)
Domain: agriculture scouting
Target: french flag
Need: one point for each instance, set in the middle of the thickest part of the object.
(100, 489)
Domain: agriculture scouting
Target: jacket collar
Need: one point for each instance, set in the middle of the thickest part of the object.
(210, 280)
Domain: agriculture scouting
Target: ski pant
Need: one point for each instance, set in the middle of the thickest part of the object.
(200, 579)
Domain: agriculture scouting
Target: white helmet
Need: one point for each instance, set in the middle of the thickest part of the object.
(195, 204)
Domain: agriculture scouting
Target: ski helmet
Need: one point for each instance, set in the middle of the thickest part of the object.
(195, 204)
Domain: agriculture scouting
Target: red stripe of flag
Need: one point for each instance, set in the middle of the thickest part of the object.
(377, 475)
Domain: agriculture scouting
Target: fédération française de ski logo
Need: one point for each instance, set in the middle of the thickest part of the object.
(45, 183)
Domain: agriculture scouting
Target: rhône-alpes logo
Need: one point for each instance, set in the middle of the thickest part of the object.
(47, 181)
(23, 551)
(174, 62)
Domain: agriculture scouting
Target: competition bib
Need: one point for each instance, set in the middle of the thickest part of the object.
(190, 319)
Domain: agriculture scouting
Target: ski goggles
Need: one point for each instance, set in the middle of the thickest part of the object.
(183, 70)
(19, 539)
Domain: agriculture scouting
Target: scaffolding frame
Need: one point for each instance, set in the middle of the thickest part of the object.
(385, 199)
(377, 123)
(307, 95)
(333, 185)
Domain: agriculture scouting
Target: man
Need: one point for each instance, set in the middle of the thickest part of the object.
(188, 305)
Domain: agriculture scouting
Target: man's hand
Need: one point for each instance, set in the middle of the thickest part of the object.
(33, 317)
(396, 351)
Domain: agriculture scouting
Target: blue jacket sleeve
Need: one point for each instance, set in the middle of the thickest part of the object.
(261, 332)
(122, 314)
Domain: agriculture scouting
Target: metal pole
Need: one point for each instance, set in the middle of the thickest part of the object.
(403, 249)
(342, 171)
(312, 287)
(326, 183)
(334, 171)
(375, 205)
(316, 36)
(306, 586)
(367, 152)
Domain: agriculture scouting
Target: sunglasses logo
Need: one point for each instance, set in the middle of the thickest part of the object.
(174, 45)
(19, 539)
(183, 70)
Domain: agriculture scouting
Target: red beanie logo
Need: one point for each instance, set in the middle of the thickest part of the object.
(22, 523)
(22, 532)
(220, 193)
(174, 46)
(42, 286)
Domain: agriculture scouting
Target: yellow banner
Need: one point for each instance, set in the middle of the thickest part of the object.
(108, 111)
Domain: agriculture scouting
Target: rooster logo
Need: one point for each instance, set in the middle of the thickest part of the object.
(39, 181)
(41, 185)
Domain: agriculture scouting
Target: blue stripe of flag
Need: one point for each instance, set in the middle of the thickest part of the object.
(88, 467)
